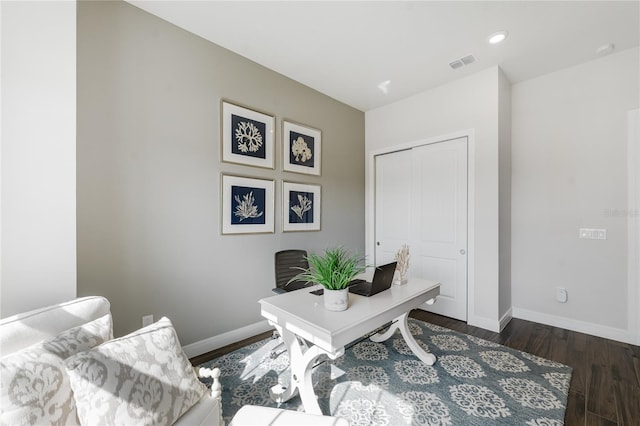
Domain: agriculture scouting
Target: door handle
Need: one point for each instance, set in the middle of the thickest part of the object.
(462, 251)
(377, 243)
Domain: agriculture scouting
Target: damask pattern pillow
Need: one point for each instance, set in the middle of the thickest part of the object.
(143, 378)
(34, 385)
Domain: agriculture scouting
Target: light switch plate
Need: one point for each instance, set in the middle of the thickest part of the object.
(592, 234)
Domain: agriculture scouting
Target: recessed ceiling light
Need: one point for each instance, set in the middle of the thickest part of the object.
(384, 86)
(497, 37)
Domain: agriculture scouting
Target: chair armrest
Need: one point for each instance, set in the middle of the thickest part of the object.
(278, 290)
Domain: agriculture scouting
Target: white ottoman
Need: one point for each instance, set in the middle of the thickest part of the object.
(253, 415)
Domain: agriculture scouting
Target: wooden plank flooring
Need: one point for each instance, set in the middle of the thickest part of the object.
(605, 386)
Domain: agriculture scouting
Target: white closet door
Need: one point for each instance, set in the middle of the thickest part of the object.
(421, 200)
(393, 204)
(439, 222)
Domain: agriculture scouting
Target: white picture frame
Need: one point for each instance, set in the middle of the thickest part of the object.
(301, 148)
(247, 205)
(247, 136)
(301, 206)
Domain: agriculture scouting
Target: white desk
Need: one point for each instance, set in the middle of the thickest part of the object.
(302, 314)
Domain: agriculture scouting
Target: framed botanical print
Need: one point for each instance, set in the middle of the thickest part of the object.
(301, 207)
(302, 148)
(247, 136)
(247, 205)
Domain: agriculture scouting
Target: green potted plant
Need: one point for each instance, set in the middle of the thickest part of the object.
(334, 269)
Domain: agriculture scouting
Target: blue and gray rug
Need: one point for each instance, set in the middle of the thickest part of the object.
(473, 382)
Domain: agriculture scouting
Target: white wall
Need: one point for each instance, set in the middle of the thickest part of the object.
(468, 103)
(504, 154)
(38, 154)
(569, 164)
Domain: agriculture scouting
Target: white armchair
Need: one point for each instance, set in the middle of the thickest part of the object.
(55, 346)
(90, 317)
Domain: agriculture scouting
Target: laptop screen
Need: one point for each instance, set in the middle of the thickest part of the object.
(383, 276)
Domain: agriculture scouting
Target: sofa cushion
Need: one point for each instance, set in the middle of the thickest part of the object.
(34, 386)
(23, 330)
(143, 378)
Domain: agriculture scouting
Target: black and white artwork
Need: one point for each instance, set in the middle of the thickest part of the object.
(301, 148)
(247, 205)
(247, 136)
(300, 207)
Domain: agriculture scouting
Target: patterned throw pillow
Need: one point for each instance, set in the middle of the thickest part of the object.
(143, 378)
(34, 386)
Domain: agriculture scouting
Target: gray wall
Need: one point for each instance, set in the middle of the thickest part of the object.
(148, 173)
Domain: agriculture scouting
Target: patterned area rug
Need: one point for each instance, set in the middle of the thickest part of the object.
(473, 382)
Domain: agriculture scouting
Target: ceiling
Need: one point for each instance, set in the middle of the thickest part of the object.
(346, 49)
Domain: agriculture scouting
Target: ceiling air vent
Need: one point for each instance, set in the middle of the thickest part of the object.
(459, 63)
(456, 64)
(469, 59)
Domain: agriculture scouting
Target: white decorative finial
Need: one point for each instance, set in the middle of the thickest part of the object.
(216, 387)
(402, 257)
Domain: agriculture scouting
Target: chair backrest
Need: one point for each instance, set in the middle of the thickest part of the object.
(287, 264)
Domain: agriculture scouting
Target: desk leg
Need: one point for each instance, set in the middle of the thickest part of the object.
(400, 323)
(301, 363)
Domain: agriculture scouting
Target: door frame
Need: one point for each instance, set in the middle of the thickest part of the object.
(370, 220)
(633, 226)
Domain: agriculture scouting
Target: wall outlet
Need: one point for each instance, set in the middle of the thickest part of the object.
(147, 320)
(561, 294)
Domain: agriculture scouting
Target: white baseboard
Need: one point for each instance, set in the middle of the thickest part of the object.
(489, 324)
(224, 339)
(506, 318)
(618, 334)
(486, 323)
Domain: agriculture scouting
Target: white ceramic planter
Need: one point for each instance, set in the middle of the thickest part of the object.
(336, 300)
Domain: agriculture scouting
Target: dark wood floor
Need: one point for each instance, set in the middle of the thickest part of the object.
(605, 386)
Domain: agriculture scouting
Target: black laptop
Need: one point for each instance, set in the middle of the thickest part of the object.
(382, 279)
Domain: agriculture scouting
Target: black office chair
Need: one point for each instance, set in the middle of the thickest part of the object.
(288, 264)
